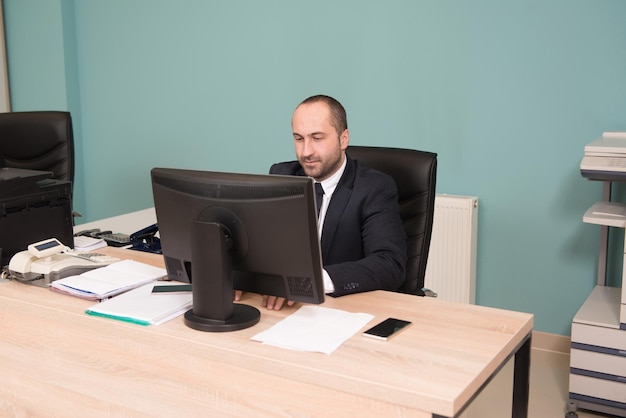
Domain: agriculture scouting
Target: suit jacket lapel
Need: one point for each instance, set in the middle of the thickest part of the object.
(338, 203)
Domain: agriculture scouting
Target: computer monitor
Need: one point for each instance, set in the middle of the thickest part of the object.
(250, 232)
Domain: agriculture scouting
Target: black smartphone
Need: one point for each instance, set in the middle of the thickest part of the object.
(386, 329)
(172, 288)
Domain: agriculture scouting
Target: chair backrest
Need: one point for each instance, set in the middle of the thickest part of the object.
(42, 140)
(415, 173)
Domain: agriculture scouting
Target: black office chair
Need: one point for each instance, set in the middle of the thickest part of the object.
(415, 173)
(42, 140)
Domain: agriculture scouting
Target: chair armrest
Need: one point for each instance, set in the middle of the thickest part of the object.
(429, 293)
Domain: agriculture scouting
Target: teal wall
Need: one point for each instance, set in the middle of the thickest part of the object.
(506, 92)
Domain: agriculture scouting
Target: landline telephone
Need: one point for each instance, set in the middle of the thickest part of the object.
(143, 240)
(114, 239)
(49, 260)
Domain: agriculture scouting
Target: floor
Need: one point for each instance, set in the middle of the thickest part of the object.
(548, 389)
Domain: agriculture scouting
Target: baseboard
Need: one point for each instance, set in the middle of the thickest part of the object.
(551, 342)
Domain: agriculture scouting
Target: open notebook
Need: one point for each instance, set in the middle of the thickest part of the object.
(106, 282)
(142, 306)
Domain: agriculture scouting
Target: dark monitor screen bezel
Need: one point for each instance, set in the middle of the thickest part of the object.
(270, 220)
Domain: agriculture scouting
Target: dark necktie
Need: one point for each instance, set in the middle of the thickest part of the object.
(319, 196)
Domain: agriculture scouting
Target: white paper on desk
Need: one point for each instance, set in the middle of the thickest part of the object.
(83, 243)
(314, 328)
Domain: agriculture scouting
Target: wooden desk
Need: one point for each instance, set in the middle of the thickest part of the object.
(57, 361)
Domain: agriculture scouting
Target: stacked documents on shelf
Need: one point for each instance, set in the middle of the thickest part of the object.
(141, 306)
(105, 282)
(607, 213)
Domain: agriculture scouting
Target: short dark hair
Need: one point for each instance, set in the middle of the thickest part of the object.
(337, 112)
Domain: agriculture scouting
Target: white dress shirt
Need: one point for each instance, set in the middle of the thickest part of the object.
(329, 185)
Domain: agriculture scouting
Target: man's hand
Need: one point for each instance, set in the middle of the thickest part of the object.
(275, 303)
(272, 303)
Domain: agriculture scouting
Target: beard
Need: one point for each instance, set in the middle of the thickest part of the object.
(321, 168)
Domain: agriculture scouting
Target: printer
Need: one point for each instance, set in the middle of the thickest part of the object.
(33, 207)
(605, 158)
(597, 378)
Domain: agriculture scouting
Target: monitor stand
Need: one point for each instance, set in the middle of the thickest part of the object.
(213, 309)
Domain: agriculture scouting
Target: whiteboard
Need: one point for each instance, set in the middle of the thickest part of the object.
(4, 79)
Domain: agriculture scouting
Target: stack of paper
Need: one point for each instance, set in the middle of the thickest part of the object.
(105, 282)
(141, 306)
(83, 243)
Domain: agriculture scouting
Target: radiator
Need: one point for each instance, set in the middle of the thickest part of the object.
(451, 266)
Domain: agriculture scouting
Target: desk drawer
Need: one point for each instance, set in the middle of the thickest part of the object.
(613, 338)
(598, 388)
(599, 362)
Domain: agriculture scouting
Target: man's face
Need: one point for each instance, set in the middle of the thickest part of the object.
(319, 148)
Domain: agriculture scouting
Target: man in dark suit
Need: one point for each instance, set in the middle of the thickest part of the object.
(362, 240)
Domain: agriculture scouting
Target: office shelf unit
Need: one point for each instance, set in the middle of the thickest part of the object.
(597, 379)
